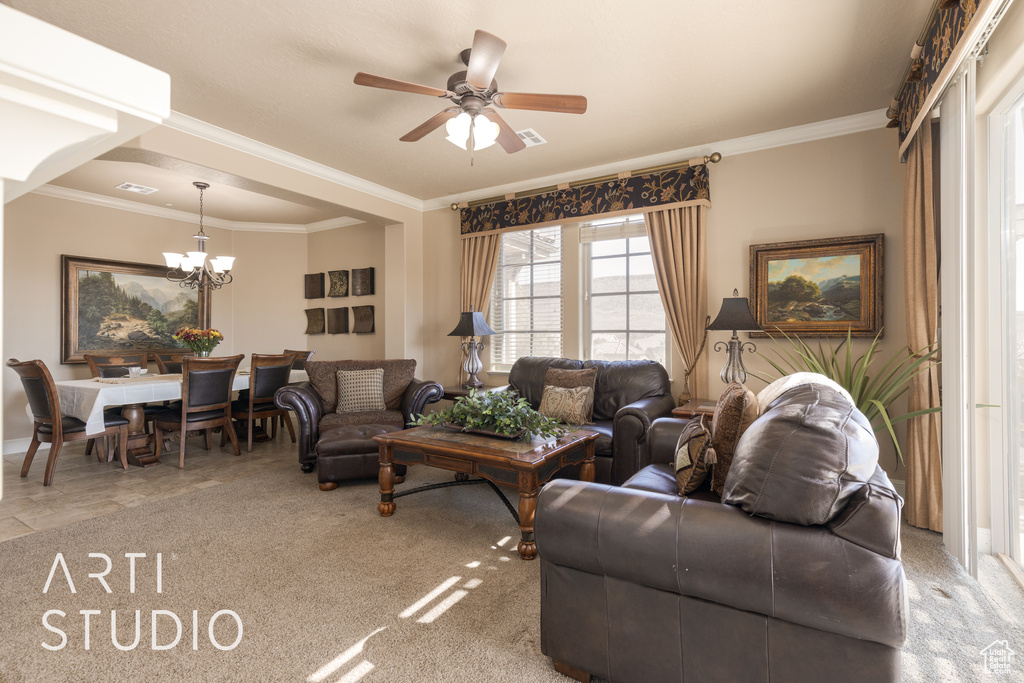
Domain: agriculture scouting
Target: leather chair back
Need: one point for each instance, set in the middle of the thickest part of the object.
(269, 373)
(301, 357)
(170, 363)
(206, 382)
(39, 388)
(114, 365)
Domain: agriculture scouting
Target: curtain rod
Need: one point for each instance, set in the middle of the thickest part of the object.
(915, 55)
(712, 158)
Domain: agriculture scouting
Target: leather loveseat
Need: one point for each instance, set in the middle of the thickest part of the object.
(321, 427)
(628, 397)
(641, 584)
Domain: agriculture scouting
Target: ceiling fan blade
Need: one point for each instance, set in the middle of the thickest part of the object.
(431, 124)
(483, 59)
(565, 104)
(507, 137)
(363, 78)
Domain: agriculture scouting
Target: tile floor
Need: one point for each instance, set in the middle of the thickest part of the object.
(84, 488)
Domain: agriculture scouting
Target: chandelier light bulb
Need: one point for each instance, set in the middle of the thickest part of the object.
(173, 259)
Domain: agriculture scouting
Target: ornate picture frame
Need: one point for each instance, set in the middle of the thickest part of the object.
(818, 288)
(115, 306)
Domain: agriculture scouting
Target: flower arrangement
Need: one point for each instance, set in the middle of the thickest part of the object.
(503, 413)
(200, 341)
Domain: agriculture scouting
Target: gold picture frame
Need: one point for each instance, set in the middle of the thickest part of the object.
(818, 288)
(94, 294)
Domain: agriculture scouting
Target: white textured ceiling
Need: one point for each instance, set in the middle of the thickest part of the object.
(659, 75)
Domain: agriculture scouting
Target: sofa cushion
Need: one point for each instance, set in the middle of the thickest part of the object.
(603, 445)
(735, 411)
(804, 458)
(569, 395)
(323, 377)
(691, 465)
(383, 417)
(360, 390)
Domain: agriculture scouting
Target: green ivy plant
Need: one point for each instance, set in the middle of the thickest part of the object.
(503, 412)
(873, 383)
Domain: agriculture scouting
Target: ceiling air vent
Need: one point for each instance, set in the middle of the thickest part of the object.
(132, 187)
(530, 137)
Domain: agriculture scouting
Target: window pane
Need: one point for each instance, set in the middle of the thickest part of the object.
(608, 312)
(608, 247)
(608, 275)
(641, 274)
(648, 346)
(639, 244)
(646, 312)
(608, 346)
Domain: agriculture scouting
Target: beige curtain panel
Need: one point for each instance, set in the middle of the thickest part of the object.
(920, 267)
(479, 261)
(679, 250)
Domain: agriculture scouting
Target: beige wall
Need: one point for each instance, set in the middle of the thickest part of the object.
(357, 246)
(256, 313)
(441, 259)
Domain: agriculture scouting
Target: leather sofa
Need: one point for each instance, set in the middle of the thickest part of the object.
(314, 404)
(641, 584)
(628, 397)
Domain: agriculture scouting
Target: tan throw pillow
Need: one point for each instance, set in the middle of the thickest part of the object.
(736, 409)
(360, 390)
(691, 456)
(569, 395)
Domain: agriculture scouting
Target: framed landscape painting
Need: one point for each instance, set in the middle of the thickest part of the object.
(818, 288)
(112, 306)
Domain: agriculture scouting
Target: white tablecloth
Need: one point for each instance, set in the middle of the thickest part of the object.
(86, 398)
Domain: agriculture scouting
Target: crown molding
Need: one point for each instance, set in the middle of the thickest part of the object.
(221, 136)
(846, 125)
(187, 217)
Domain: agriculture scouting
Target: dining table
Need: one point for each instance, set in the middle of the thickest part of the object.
(87, 399)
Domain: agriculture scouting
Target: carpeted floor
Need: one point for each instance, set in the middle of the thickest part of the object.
(327, 590)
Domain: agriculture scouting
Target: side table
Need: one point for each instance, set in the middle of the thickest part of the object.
(696, 407)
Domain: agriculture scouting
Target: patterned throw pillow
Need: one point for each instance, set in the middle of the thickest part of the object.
(569, 395)
(736, 410)
(567, 405)
(692, 456)
(360, 390)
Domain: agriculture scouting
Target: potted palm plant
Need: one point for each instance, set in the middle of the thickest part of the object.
(873, 383)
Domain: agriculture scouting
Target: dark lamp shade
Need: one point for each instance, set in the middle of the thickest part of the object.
(471, 324)
(734, 316)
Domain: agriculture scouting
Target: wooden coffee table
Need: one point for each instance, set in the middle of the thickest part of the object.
(522, 465)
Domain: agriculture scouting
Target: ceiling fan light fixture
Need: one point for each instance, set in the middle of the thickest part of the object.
(485, 132)
(458, 129)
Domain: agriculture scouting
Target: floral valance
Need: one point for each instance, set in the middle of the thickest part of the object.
(947, 27)
(632, 193)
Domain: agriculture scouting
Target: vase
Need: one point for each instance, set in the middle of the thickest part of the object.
(205, 353)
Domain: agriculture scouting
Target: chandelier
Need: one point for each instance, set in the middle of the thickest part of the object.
(192, 269)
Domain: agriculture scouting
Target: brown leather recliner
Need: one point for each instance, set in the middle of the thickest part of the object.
(640, 584)
(628, 397)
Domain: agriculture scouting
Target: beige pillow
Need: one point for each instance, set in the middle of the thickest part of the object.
(691, 456)
(736, 410)
(567, 405)
(573, 406)
(360, 390)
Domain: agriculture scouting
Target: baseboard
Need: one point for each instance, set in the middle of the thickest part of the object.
(17, 445)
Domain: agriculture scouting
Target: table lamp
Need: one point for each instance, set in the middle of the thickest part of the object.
(472, 324)
(735, 316)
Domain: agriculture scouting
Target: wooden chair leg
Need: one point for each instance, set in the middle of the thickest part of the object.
(273, 428)
(288, 423)
(233, 436)
(224, 437)
(158, 440)
(248, 443)
(109, 439)
(209, 438)
(181, 455)
(88, 447)
(122, 445)
(30, 453)
(51, 460)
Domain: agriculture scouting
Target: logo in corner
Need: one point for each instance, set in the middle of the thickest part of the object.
(998, 657)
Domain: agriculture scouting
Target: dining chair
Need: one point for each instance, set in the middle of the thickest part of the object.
(205, 402)
(170, 363)
(268, 373)
(45, 404)
(115, 365)
(300, 358)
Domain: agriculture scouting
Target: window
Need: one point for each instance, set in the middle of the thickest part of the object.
(625, 316)
(526, 305)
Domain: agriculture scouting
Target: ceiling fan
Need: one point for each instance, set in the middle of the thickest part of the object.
(474, 94)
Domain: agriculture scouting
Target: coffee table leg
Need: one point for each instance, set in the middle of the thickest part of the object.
(386, 478)
(587, 469)
(527, 505)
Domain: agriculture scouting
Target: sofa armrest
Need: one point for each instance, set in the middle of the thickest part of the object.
(629, 434)
(303, 400)
(662, 439)
(718, 553)
(417, 395)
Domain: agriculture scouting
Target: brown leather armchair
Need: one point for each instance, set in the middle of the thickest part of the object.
(628, 397)
(640, 584)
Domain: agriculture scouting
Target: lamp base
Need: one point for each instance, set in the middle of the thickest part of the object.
(734, 371)
(472, 365)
